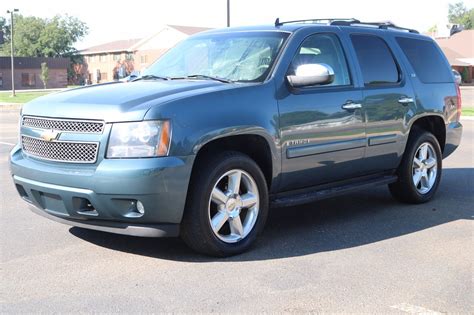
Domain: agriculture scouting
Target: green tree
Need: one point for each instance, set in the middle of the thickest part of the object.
(4, 28)
(38, 37)
(433, 29)
(42, 37)
(458, 13)
(44, 74)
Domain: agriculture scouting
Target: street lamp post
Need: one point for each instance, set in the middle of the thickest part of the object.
(228, 13)
(12, 51)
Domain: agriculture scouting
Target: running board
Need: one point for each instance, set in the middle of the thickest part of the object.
(289, 199)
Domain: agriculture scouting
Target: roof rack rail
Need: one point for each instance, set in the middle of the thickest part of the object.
(386, 25)
(349, 22)
(328, 21)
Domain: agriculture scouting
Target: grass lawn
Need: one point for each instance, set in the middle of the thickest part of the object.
(467, 111)
(21, 97)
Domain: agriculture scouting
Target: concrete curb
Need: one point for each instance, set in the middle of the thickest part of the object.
(33, 90)
(10, 106)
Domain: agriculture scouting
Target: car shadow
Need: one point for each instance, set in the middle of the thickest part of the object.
(348, 221)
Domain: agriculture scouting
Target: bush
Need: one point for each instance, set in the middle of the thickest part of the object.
(465, 75)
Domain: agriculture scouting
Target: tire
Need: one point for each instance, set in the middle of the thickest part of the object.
(420, 170)
(213, 197)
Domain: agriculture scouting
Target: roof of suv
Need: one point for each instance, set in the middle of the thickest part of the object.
(293, 26)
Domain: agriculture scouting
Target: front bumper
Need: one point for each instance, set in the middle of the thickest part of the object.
(143, 230)
(104, 196)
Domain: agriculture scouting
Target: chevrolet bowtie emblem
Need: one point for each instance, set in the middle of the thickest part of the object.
(50, 135)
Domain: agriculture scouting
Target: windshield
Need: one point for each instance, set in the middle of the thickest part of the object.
(239, 56)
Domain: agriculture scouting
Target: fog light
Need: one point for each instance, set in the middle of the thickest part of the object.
(140, 207)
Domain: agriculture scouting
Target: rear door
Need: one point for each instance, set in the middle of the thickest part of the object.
(388, 98)
(430, 75)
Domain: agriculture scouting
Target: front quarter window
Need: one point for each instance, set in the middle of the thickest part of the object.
(238, 56)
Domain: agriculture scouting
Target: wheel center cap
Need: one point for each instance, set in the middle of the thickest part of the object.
(231, 204)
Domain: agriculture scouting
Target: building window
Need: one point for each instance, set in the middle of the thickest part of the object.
(116, 57)
(129, 56)
(102, 58)
(28, 80)
(91, 58)
(103, 76)
(143, 58)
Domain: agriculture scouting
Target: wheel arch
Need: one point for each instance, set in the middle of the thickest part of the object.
(432, 123)
(255, 142)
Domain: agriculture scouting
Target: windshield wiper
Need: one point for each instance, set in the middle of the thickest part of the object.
(151, 77)
(203, 76)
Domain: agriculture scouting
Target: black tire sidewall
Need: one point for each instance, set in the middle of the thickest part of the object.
(406, 170)
(200, 195)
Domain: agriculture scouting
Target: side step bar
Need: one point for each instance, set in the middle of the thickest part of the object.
(308, 196)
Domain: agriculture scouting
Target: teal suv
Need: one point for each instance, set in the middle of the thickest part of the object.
(231, 122)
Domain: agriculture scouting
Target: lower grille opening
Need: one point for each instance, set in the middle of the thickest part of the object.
(22, 192)
(84, 206)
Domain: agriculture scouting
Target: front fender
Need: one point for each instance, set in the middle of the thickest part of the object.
(238, 110)
(240, 131)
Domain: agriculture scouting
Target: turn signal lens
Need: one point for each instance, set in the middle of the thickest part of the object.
(164, 144)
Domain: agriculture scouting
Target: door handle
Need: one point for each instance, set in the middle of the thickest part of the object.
(406, 100)
(351, 106)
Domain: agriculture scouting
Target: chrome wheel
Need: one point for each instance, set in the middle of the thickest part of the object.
(233, 206)
(424, 168)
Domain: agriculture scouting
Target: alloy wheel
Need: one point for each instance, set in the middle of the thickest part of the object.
(233, 206)
(424, 168)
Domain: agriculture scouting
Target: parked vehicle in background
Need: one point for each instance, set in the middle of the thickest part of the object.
(132, 76)
(233, 121)
(457, 77)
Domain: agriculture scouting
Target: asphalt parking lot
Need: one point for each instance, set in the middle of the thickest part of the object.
(363, 252)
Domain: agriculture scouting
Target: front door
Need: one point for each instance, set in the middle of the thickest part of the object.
(321, 127)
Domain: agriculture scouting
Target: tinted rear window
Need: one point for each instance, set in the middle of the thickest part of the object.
(375, 60)
(426, 60)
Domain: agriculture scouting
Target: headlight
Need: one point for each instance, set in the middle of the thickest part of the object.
(139, 139)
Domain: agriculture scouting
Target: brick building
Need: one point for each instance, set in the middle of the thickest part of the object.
(28, 73)
(117, 59)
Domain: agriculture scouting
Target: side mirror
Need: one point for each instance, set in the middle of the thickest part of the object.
(311, 74)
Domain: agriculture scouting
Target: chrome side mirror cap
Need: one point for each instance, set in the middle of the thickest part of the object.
(311, 74)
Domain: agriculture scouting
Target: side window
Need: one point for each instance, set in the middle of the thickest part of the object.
(323, 48)
(426, 60)
(375, 60)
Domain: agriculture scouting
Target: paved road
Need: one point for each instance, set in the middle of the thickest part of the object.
(359, 253)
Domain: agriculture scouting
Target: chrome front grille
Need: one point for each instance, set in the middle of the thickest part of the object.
(65, 125)
(61, 151)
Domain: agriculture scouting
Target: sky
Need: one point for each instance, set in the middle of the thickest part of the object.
(113, 20)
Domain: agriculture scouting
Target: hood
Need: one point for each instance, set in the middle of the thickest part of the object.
(118, 101)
